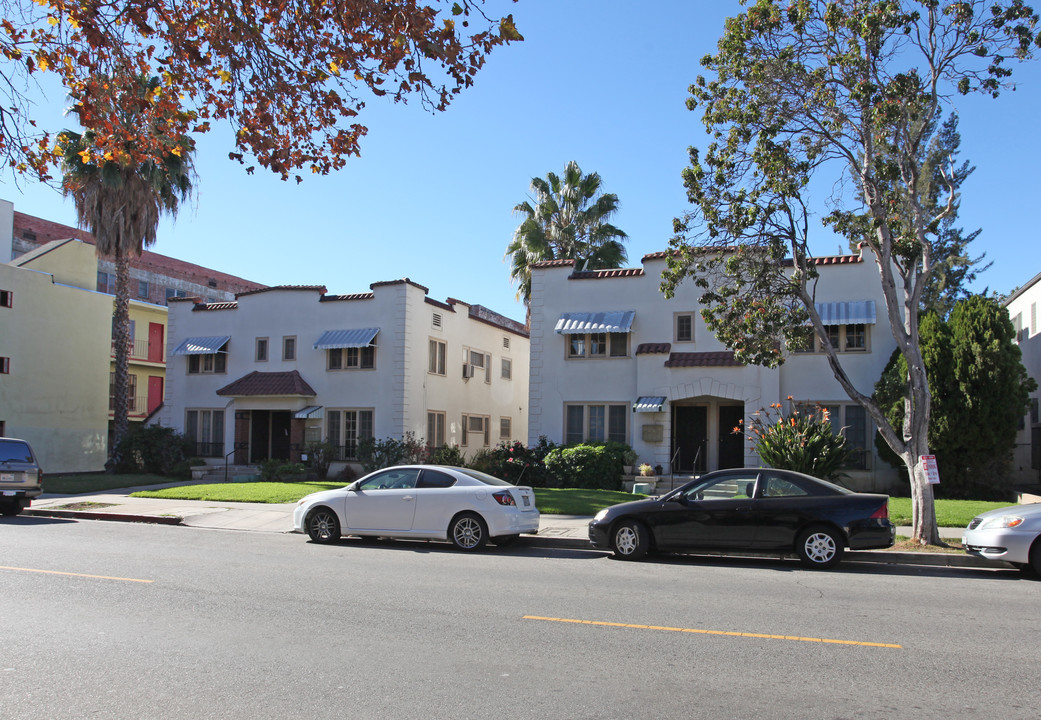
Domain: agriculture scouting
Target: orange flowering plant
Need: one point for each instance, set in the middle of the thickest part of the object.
(800, 441)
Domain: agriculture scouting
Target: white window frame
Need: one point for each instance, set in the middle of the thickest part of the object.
(289, 348)
(599, 422)
(437, 424)
(262, 342)
(348, 434)
(437, 358)
(507, 369)
(676, 319)
(581, 346)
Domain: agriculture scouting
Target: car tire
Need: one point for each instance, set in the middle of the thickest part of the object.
(1035, 556)
(323, 526)
(631, 540)
(468, 532)
(10, 509)
(819, 548)
(505, 540)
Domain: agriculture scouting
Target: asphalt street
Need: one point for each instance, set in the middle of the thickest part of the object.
(117, 620)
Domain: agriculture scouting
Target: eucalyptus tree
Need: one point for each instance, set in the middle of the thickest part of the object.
(120, 196)
(566, 218)
(845, 93)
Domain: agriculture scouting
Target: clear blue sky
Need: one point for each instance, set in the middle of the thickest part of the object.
(601, 82)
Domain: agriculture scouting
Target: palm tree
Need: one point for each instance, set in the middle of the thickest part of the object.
(569, 221)
(120, 201)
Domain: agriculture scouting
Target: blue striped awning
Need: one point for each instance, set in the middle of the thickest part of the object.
(201, 345)
(648, 404)
(311, 412)
(847, 313)
(595, 322)
(358, 338)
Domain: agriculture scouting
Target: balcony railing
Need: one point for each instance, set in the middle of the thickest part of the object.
(136, 404)
(144, 350)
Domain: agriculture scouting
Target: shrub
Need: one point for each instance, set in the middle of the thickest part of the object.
(319, 455)
(375, 454)
(280, 470)
(155, 449)
(593, 467)
(515, 463)
(800, 441)
(447, 455)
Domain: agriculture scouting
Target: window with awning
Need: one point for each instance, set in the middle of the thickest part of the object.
(340, 339)
(202, 345)
(595, 322)
(649, 404)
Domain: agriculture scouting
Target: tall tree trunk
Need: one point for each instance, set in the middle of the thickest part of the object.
(121, 344)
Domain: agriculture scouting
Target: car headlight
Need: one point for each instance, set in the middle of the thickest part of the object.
(600, 515)
(1001, 521)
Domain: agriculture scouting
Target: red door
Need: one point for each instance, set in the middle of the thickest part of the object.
(155, 393)
(156, 346)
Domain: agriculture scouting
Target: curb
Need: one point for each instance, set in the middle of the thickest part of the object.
(115, 517)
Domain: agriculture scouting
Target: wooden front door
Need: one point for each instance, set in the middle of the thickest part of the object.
(689, 435)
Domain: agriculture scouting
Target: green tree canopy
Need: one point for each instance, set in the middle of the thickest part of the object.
(567, 218)
(845, 93)
(980, 392)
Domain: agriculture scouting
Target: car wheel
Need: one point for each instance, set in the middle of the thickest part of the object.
(323, 526)
(1035, 556)
(505, 540)
(819, 547)
(631, 540)
(468, 532)
(10, 509)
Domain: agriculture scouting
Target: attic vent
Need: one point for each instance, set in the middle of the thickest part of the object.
(505, 343)
(437, 320)
(212, 283)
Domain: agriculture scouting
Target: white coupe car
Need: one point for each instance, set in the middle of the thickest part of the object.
(427, 502)
(1012, 534)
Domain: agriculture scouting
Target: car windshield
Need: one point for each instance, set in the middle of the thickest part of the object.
(15, 451)
(484, 477)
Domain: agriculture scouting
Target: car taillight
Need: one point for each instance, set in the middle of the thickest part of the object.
(882, 513)
(503, 497)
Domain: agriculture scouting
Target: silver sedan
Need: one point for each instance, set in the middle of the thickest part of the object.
(1012, 534)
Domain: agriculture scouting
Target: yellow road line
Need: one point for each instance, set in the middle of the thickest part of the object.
(72, 574)
(715, 632)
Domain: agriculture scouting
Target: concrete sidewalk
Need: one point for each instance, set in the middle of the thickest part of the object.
(569, 531)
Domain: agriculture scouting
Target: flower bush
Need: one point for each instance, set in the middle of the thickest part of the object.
(800, 441)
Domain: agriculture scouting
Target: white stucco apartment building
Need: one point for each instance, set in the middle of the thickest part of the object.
(277, 369)
(612, 359)
(1022, 309)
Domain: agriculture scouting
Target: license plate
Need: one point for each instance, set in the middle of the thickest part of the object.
(527, 500)
(6, 477)
(9, 493)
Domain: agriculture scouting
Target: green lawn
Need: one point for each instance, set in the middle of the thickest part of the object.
(550, 501)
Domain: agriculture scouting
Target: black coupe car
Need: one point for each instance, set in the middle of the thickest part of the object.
(758, 510)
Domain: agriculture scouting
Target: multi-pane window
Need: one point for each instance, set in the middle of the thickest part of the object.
(216, 363)
(353, 358)
(505, 428)
(844, 338)
(206, 429)
(173, 293)
(476, 424)
(6, 298)
(131, 392)
(851, 421)
(142, 289)
(261, 349)
(435, 428)
(598, 345)
(289, 347)
(595, 423)
(345, 428)
(438, 354)
(684, 327)
(507, 369)
(106, 282)
(478, 361)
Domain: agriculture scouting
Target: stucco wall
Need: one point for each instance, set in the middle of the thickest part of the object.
(56, 396)
(1025, 304)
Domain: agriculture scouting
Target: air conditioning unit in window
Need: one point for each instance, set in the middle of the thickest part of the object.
(468, 370)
